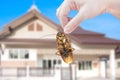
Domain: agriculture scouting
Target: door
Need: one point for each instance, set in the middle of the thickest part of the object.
(47, 67)
(47, 64)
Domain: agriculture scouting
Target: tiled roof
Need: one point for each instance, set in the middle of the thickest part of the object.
(96, 40)
(88, 37)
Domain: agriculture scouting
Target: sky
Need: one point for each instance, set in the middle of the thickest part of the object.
(12, 9)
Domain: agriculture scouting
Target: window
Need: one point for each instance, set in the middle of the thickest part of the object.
(54, 62)
(35, 27)
(59, 61)
(50, 63)
(44, 64)
(85, 65)
(24, 54)
(31, 27)
(18, 54)
(80, 66)
(118, 64)
(13, 54)
(39, 27)
(89, 64)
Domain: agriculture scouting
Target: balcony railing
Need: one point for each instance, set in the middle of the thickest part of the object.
(22, 72)
(41, 72)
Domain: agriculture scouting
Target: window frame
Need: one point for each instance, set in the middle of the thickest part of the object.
(31, 27)
(35, 26)
(24, 52)
(52, 61)
(38, 27)
(13, 54)
(85, 65)
(18, 54)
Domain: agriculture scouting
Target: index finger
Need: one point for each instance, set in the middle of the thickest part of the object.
(63, 12)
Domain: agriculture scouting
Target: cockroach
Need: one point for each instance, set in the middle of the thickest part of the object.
(64, 48)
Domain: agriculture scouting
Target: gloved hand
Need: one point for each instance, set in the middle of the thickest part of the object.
(114, 7)
(86, 9)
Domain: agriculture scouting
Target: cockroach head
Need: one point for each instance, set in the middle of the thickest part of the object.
(60, 34)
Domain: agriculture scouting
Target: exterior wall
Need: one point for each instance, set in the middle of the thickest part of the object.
(93, 50)
(94, 72)
(15, 64)
(24, 33)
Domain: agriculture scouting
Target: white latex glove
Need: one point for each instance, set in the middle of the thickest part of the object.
(114, 7)
(86, 9)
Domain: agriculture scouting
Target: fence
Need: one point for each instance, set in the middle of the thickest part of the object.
(22, 72)
(35, 73)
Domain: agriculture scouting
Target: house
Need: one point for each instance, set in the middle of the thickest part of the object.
(26, 51)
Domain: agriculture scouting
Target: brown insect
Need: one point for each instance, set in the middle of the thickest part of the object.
(64, 48)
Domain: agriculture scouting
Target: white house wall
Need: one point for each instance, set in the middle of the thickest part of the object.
(94, 72)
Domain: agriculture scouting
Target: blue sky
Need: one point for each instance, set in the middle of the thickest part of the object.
(12, 9)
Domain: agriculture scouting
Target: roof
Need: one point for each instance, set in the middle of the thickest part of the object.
(96, 40)
(80, 31)
(44, 42)
(79, 34)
